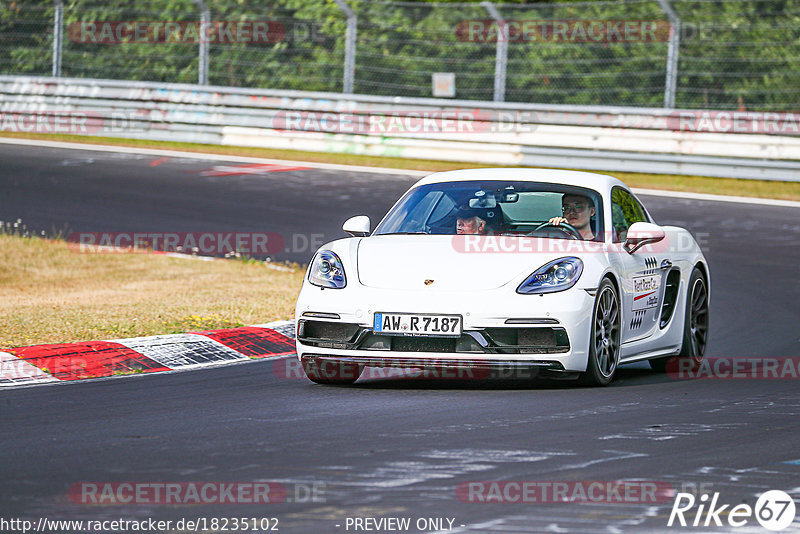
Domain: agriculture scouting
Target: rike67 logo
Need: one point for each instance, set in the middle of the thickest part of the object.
(774, 510)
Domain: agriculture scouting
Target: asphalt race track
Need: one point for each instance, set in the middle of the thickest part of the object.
(395, 447)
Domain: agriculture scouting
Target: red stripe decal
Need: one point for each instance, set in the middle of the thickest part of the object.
(643, 296)
(253, 341)
(76, 361)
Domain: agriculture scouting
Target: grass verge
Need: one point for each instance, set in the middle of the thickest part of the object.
(52, 294)
(699, 184)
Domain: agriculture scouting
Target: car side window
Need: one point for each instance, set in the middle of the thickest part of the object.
(625, 210)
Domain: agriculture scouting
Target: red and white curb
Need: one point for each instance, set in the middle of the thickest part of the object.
(44, 364)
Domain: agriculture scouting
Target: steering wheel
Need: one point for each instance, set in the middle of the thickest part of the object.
(566, 228)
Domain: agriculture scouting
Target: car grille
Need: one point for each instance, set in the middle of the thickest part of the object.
(423, 344)
(327, 330)
(500, 340)
(547, 340)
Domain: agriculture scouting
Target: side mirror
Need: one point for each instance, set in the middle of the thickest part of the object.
(641, 234)
(357, 226)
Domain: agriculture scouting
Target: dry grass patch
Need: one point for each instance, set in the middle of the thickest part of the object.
(52, 294)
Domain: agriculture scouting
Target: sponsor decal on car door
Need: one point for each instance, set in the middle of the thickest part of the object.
(644, 294)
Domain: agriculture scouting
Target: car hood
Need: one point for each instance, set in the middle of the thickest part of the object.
(451, 262)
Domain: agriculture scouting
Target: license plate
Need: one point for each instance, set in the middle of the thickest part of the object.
(417, 324)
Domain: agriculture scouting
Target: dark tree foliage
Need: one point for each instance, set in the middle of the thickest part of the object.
(734, 54)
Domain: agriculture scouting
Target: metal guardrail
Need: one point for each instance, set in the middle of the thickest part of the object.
(593, 137)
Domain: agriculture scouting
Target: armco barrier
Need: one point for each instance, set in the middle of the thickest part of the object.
(601, 138)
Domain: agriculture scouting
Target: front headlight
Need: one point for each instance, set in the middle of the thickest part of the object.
(327, 271)
(557, 275)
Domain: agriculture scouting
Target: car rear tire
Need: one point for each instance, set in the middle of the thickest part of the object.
(330, 372)
(604, 344)
(695, 327)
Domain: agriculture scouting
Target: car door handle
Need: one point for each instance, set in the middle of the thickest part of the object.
(666, 264)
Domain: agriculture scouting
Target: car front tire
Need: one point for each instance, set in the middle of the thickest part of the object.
(604, 345)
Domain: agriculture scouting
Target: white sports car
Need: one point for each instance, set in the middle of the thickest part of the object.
(561, 272)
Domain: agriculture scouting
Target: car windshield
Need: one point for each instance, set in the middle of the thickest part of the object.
(497, 208)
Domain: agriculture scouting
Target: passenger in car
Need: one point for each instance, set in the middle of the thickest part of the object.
(577, 211)
(481, 221)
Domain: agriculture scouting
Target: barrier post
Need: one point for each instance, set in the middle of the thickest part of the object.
(202, 59)
(501, 54)
(672, 54)
(58, 36)
(349, 46)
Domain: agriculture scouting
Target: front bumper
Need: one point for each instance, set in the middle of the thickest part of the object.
(501, 329)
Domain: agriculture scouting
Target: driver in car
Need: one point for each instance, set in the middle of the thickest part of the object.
(475, 220)
(577, 211)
